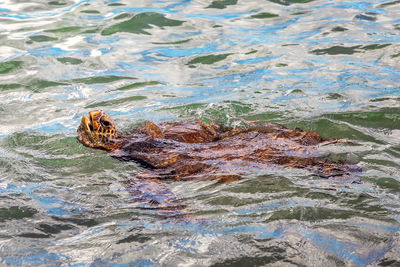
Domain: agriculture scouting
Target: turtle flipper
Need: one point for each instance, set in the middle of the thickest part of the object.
(151, 193)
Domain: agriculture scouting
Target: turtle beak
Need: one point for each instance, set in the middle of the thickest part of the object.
(85, 132)
(87, 124)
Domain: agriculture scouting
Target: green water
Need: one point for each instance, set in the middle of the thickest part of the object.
(327, 66)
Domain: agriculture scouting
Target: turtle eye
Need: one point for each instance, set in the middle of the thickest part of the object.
(106, 123)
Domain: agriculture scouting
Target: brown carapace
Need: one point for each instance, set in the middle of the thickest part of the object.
(199, 150)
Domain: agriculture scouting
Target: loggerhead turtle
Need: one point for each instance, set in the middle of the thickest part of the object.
(199, 150)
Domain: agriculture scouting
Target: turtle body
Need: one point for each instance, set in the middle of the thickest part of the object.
(198, 150)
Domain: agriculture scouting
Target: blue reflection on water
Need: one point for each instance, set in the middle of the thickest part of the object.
(178, 4)
(259, 231)
(36, 257)
(179, 52)
(49, 51)
(255, 60)
(50, 128)
(343, 249)
(92, 39)
(51, 204)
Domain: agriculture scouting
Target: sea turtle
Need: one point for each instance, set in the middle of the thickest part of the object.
(200, 150)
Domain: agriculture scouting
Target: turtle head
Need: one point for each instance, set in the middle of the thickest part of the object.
(98, 131)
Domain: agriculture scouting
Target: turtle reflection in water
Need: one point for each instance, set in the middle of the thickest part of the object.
(199, 150)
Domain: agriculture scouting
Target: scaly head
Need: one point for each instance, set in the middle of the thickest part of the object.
(98, 131)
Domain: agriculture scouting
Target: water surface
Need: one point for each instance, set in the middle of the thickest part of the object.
(328, 66)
